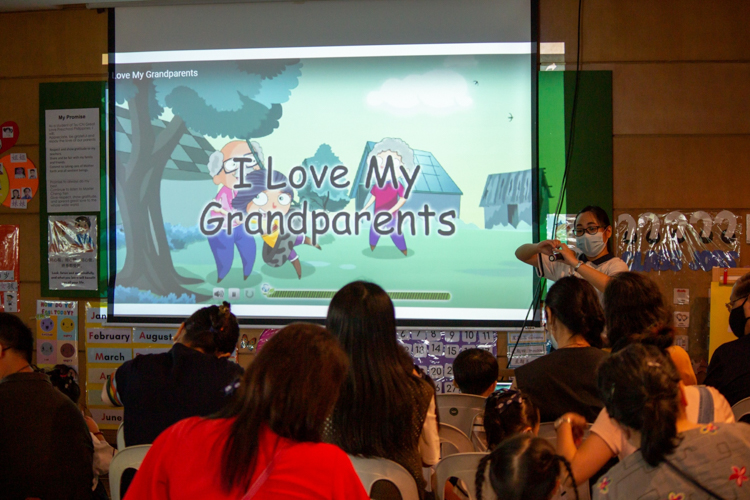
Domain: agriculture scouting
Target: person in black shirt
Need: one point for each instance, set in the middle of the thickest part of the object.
(729, 370)
(158, 390)
(45, 447)
(565, 380)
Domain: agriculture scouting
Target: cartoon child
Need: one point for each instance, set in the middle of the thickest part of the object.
(278, 248)
(20, 173)
(389, 152)
(83, 238)
(26, 194)
(224, 168)
(15, 194)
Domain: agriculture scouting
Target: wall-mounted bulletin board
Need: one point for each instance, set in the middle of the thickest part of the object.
(73, 217)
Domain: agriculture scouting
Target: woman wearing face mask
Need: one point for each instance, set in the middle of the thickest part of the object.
(565, 380)
(591, 259)
(729, 371)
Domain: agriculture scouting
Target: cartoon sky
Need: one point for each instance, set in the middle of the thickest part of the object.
(456, 107)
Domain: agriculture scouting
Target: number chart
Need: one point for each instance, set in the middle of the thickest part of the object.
(435, 350)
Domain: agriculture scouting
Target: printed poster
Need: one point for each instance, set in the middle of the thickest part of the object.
(9, 268)
(73, 174)
(72, 252)
(56, 333)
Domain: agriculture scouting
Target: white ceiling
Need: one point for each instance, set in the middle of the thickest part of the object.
(22, 5)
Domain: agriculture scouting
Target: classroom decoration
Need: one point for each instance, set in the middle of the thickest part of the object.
(107, 348)
(435, 350)
(8, 136)
(56, 333)
(19, 180)
(9, 268)
(72, 252)
(668, 242)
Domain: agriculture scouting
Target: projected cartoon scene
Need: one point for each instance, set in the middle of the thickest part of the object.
(279, 181)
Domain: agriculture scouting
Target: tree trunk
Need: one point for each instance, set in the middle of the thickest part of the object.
(148, 261)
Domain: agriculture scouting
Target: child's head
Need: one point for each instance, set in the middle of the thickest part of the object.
(83, 223)
(65, 380)
(259, 198)
(523, 467)
(213, 330)
(507, 413)
(475, 372)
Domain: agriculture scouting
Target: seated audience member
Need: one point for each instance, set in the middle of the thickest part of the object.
(65, 379)
(475, 372)
(384, 410)
(45, 447)
(507, 413)
(266, 444)
(523, 467)
(675, 457)
(729, 369)
(158, 390)
(565, 379)
(635, 313)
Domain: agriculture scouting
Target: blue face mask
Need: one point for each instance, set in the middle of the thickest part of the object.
(591, 244)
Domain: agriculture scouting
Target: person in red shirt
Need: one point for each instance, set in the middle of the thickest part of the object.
(267, 443)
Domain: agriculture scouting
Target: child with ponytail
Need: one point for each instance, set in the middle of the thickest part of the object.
(675, 457)
(507, 413)
(523, 467)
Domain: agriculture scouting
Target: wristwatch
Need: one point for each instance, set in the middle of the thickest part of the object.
(562, 420)
(580, 263)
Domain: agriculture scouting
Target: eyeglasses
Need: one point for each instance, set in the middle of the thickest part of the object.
(589, 229)
(730, 304)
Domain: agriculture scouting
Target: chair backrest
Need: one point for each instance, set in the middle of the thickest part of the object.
(464, 467)
(453, 441)
(371, 470)
(741, 408)
(121, 436)
(127, 458)
(548, 432)
(459, 410)
(478, 436)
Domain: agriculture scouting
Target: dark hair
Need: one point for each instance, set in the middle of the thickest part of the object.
(523, 467)
(213, 329)
(601, 217)
(635, 311)
(639, 387)
(475, 370)
(65, 380)
(259, 181)
(14, 334)
(82, 218)
(741, 288)
(507, 413)
(574, 303)
(376, 398)
(291, 386)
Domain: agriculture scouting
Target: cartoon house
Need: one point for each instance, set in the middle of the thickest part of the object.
(434, 186)
(189, 160)
(507, 198)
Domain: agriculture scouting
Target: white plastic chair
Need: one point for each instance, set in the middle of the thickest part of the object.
(478, 440)
(464, 467)
(741, 408)
(548, 432)
(121, 437)
(459, 410)
(127, 458)
(371, 470)
(453, 441)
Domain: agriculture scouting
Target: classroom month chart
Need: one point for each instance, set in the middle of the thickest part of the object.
(109, 347)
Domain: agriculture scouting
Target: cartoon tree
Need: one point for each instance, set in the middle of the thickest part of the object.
(235, 99)
(326, 197)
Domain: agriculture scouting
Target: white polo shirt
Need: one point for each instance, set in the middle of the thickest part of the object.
(554, 270)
